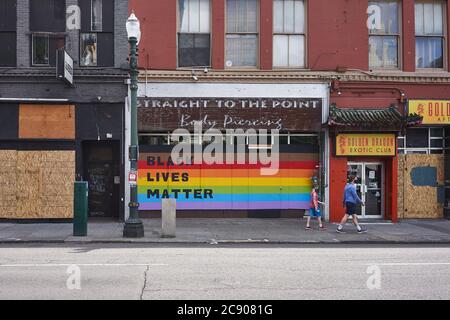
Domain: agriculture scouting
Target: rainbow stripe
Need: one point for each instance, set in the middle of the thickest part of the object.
(227, 187)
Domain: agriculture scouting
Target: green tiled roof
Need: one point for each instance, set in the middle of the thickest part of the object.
(371, 118)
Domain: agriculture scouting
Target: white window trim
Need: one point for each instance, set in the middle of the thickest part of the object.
(33, 36)
(305, 38)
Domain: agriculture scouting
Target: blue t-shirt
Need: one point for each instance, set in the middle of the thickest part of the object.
(350, 194)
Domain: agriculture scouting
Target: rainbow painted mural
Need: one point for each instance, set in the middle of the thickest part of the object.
(226, 187)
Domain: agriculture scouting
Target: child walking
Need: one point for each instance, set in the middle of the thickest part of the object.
(314, 211)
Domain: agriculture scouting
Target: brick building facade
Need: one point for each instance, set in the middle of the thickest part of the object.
(371, 56)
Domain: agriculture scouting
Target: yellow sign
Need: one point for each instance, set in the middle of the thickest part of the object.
(432, 111)
(362, 144)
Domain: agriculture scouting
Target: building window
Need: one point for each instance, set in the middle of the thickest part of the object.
(97, 33)
(242, 33)
(8, 21)
(430, 39)
(422, 141)
(88, 49)
(96, 15)
(194, 33)
(384, 34)
(41, 51)
(289, 33)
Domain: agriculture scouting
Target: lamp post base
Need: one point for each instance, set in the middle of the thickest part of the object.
(133, 229)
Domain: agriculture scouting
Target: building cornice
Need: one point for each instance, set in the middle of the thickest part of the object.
(439, 77)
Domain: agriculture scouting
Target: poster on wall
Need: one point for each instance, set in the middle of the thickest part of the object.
(366, 144)
(432, 111)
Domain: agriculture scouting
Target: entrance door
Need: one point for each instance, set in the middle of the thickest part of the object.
(370, 188)
(102, 172)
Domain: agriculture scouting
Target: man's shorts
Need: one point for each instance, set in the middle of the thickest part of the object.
(313, 213)
(351, 207)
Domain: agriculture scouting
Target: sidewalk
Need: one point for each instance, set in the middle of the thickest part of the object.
(215, 231)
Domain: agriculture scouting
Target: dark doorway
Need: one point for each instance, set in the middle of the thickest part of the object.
(101, 165)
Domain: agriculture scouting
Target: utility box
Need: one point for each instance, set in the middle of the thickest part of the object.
(80, 209)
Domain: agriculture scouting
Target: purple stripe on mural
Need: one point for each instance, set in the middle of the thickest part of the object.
(300, 205)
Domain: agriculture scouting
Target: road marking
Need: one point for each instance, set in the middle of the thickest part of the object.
(52, 265)
(412, 264)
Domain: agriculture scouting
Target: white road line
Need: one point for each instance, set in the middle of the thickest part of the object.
(411, 264)
(52, 265)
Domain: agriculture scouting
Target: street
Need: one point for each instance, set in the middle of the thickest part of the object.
(153, 272)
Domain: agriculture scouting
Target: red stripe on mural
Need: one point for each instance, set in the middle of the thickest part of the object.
(282, 165)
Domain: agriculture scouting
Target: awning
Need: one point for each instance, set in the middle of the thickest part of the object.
(387, 119)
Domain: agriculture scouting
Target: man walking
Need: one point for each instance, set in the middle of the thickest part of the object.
(351, 200)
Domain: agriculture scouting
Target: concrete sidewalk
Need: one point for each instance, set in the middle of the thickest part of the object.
(215, 231)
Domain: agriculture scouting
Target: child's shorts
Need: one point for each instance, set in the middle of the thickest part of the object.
(313, 213)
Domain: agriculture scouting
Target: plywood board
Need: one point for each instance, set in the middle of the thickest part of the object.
(8, 164)
(46, 121)
(40, 185)
(421, 201)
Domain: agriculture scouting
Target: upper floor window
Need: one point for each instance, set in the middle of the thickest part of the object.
(384, 34)
(47, 25)
(8, 21)
(241, 33)
(430, 35)
(194, 38)
(289, 33)
(97, 33)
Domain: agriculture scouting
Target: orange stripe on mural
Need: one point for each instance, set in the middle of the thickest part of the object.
(251, 173)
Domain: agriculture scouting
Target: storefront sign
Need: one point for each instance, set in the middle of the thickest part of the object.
(64, 67)
(433, 111)
(161, 114)
(360, 144)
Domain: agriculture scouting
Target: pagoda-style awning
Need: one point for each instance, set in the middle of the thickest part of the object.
(386, 119)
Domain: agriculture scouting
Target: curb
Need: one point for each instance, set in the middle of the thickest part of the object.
(226, 242)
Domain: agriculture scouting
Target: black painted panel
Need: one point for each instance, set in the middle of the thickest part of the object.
(105, 52)
(8, 15)
(37, 145)
(8, 49)
(9, 121)
(48, 15)
(96, 120)
(108, 16)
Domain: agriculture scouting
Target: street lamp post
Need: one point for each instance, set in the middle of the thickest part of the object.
(133, 226)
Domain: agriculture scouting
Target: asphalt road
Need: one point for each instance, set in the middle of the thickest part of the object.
(224, 272)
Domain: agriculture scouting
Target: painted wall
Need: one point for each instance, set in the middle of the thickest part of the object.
(226, 186)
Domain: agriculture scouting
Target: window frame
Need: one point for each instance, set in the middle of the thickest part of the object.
(423, 150)
(258, 39)
(305, 43)
(92, 17)
(444, 37)
(201, 33)
(84, 30)
(47, 37)
(399, 37)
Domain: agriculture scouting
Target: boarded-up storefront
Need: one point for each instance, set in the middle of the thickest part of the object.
(36, 184)
(420, 186)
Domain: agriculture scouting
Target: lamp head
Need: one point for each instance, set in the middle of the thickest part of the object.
(133, 27)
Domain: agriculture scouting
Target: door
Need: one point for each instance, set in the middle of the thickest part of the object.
(102, 172)
(370, 188)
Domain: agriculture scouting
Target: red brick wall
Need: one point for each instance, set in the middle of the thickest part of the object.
(337, 34)
(158, 47)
